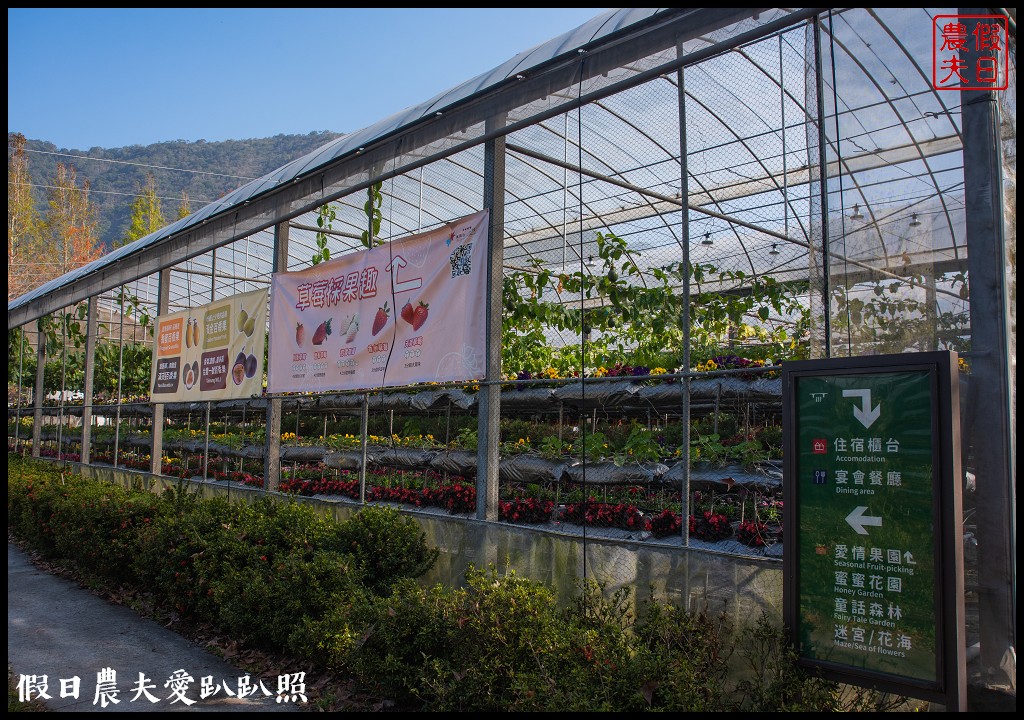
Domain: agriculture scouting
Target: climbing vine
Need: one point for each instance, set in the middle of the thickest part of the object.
(372, 208)
(622, 308)
(325, 217)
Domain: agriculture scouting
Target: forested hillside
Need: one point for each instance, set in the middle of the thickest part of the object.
(204, 171)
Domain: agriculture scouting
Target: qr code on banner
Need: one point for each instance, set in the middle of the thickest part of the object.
(462, 260)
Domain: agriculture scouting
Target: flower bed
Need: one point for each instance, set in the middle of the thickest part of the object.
(326, 486)
(755, 533)
(710, 526)
(633, 508)
(529, 510)
(624, 516)
(666, 523)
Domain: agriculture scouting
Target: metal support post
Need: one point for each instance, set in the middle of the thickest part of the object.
(156, 454)
(38, 392)
(91, 328)
(989, 421)
(272, 449)
(489, 418)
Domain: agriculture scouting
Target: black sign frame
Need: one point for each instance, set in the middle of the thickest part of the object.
(941, 367)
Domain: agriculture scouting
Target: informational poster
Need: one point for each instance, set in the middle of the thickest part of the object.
(401, 313)
(870, 540)
(211, 352)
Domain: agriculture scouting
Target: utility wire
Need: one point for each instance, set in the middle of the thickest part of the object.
(102, 192)
(126, 162)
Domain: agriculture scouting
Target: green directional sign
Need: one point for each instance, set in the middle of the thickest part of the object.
(868, 498)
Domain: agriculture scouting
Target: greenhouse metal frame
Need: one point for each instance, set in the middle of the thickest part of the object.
(804, 153)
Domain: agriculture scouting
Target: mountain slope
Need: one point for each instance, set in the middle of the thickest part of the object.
(116, 175)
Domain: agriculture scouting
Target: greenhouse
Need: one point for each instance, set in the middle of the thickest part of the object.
(667, 207)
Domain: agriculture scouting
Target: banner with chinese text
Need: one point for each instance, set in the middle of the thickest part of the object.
(211, 352)
(401, 313)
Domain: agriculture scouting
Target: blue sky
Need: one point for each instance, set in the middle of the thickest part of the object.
(83, 78)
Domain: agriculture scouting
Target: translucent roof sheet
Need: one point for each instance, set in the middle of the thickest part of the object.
(893, 155)
(595, 29)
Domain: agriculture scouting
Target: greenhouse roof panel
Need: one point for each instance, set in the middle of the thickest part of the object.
(893, 148)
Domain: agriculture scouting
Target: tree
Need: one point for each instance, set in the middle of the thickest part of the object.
(147, 217)
(24, 242)
(185, 207)
(70, 226)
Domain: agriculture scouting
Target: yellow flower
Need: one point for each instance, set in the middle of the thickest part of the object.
(658, 371)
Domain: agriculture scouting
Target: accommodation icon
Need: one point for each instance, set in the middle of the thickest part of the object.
(819, 446)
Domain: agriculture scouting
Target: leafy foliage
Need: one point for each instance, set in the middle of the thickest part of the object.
(266, 572)
(374, 200)
(639, 310)
(895, 316)
(325, 217)
(344, 596)
(232, 162)
(24, 241)
(147, 216)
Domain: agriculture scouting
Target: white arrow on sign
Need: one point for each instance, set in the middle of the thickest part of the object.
(393, 267)
(858, 520)
(865, 414)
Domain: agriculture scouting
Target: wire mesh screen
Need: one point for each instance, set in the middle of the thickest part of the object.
(895, 191)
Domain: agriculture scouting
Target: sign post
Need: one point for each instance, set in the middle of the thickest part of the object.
(873, 559)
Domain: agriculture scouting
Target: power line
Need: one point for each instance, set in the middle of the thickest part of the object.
(126, 162)
(102, 192)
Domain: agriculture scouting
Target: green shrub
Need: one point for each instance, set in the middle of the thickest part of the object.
(475, 648)
(771, 439)
(772, 681)
(183, 550)
(507, 634)
(62, 515)
(501, 644)
(407, 640)
(31, 497)
(344, 596)
(97, 527)
(386, 546)
(265, 601)
(684, 658)
(330, 638)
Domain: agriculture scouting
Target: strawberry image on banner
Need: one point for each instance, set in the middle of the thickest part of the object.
(420, 296)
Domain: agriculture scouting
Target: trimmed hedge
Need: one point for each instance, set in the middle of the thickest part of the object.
(344, 597)
(259, 571)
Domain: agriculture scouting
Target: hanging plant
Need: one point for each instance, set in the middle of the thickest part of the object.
(325, 217)
(374, 200)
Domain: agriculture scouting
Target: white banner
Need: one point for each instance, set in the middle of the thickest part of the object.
(402, 313)
(212, 352)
